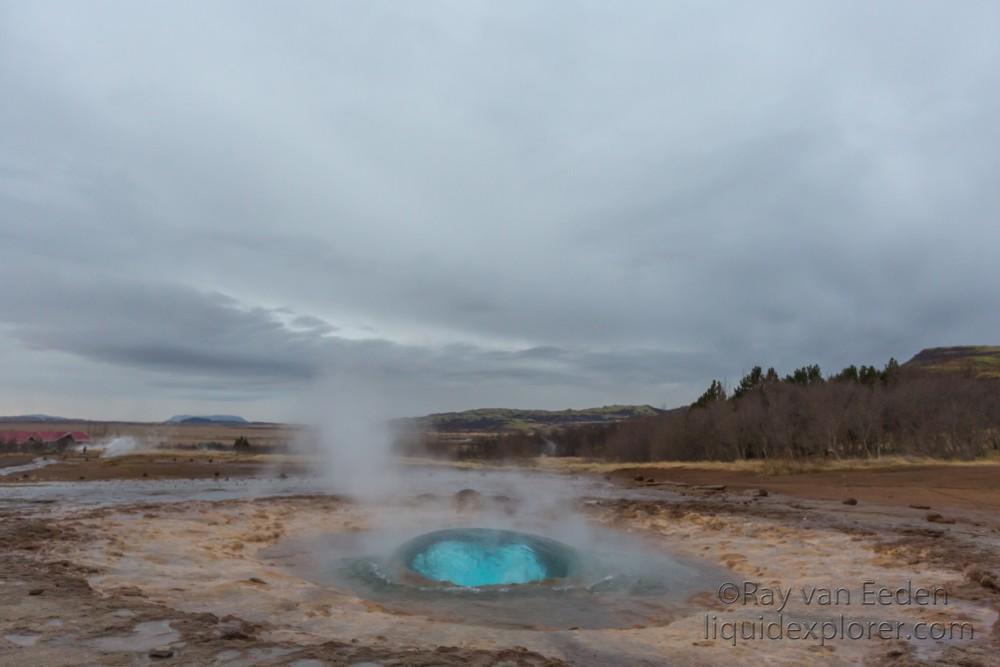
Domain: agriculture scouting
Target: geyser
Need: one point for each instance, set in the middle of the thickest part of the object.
(475, 557)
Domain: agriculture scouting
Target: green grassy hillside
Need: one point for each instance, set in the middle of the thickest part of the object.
(499, 420)
(978, 360)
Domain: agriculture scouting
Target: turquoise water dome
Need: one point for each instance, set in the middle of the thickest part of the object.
(474, 557)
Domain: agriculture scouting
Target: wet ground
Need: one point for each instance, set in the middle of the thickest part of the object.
(217, 572)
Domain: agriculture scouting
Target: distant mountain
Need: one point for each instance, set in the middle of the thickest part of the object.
(501, 420)
(978, 360)
(206, 419)
(37, 418)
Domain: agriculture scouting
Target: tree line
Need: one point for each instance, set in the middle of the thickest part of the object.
(859, 412)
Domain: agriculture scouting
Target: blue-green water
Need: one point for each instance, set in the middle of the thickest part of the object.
(474, 557)
(470, 563)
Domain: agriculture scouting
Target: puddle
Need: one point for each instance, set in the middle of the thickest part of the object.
(255, 656)
(22, 640)
(27, 467)
(144, 637)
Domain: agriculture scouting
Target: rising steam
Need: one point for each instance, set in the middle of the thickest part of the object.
(350, 418)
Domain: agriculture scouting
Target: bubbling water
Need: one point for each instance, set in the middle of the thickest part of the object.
(476, 557)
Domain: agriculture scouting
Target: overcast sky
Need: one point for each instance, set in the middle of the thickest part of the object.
(226, 206)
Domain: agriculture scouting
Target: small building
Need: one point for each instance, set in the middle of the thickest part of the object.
(42, 441)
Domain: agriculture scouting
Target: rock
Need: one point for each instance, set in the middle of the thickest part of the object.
(236, 630)
(506, 503)
(920, 507)
(468, 499)
(984, 578)
(759, 493)
(934, 517)
(162, 652)
(851, 501)
(257, 580)
(710, 487)
(922, 532)
(36, 591)
(638, 478)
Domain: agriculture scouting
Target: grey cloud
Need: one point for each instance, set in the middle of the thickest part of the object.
(511, 202)
(211, 344)
(313, 323)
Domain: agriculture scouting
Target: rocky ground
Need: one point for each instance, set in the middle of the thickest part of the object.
(53, 615)
(194, 583)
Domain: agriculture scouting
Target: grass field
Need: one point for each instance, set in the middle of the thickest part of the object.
(981, 360)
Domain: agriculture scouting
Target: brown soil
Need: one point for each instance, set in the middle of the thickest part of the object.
(15, 459)
(169, 435)
(935, 486)
(168, 465)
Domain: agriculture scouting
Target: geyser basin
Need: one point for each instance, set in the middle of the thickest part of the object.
(504, 578)
(477, 557)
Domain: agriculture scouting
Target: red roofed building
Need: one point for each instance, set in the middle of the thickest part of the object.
(41, 440)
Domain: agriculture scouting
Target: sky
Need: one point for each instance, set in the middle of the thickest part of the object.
(234, 206)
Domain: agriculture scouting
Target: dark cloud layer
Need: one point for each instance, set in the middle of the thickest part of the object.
(482, 203)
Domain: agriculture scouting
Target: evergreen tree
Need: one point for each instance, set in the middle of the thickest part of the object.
(715, 392)
(849, 374)
(805, 376)
(752, 380)
(869, 376)
(890, 370)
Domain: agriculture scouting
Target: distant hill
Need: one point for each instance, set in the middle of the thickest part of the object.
(499, 420)
(978, 360)
(206, 419)
(37, 418)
